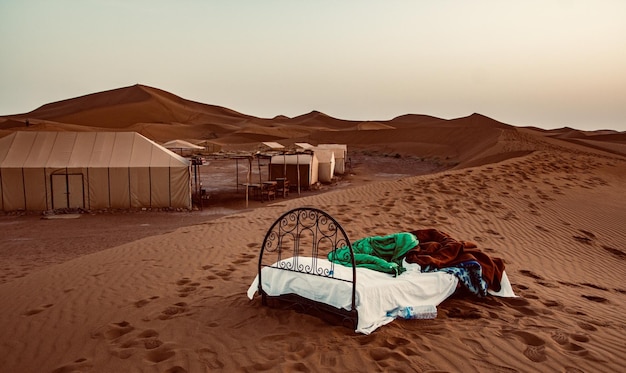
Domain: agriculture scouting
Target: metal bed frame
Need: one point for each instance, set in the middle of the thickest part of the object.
(308, 232)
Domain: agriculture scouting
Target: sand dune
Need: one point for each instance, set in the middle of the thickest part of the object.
(552, 208)
(176, 302)
(162, 116)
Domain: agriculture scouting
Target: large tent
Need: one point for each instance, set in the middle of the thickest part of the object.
(326, 167)
(90, 170)
(341, 153)
(300, 169)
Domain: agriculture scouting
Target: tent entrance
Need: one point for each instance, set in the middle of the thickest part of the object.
(68, 191)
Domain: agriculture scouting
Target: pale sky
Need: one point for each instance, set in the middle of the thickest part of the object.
(544, 63)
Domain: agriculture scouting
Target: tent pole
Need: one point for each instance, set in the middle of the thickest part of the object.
(298, 168)
(24, 189)
(248, 174)
(89, 199)
(150, 184)
(45, 182)
(67, 188)
(108, 185)
(130, 192)
(258, 163)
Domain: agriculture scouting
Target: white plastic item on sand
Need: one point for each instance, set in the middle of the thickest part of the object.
(414, 312)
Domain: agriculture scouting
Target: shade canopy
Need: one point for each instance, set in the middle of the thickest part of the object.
(181, 145)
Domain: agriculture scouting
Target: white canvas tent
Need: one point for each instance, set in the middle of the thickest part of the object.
(341, 154)
(294, 167)
(326, 167)
(90, 170)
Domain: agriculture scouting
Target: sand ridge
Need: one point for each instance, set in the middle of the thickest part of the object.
(176, 302)
(550, 203)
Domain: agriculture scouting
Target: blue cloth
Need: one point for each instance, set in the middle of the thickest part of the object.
(470, 275)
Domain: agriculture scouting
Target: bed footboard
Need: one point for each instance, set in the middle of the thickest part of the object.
(295, 242)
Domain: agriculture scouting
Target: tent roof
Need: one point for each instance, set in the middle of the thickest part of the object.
(182, 144)
(340, 150)
(35, 149)
(273, 145)
(333, 146)
(304, 145)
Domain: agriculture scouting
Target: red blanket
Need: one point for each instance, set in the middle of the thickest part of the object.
(440, 250)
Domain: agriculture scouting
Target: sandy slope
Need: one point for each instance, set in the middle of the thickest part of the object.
(550, 203)
(176, 302)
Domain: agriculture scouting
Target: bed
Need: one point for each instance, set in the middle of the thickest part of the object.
(294, 273)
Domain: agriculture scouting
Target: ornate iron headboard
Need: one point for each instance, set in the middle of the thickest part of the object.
(304, 232)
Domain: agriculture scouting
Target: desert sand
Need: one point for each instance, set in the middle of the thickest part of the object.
(169, 295)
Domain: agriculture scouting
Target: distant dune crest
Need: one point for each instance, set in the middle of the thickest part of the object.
(162, 116)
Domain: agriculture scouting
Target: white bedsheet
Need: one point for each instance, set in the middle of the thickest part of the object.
(376, 292)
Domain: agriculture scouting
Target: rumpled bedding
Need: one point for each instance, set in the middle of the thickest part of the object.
(432, 250)
(380, 253)
(469, 275)
(437, 250)
(376, 293)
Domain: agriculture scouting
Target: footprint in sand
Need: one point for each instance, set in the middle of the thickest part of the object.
(547, 284)
(573, 370)
(79, 365)
(149, 339)
(586, 326)
(560, 337)
(535, 345)
(210, 358)
(594, 286)
(531, 274)
(521, 305)
(37, 310)
(244, 258)
(511, 215)
(552, 303)
(162, 353)
(594, 298)
(475, 346)
(176, 369)
(383, 354)
(581, 239)
(224, 274)
(478, 239)
(618, 253)
(186, 290)
(465, 312)
(186, 287)
(142, 302)
(176, 310)
(118, 329)
(563, 340)
(570, 284)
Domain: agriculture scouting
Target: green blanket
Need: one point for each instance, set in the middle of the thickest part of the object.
(380, 253)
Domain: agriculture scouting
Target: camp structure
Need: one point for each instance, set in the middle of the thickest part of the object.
(341, 154)
(90, 170)
(326, 166)
(301, 169)
(182, 147)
